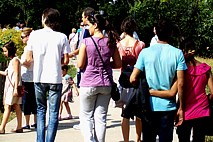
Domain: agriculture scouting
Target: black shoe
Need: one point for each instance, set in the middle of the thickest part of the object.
(26, 127)
(34, 125)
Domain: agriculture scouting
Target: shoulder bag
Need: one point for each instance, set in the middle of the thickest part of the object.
(115, 94)
(20, 89)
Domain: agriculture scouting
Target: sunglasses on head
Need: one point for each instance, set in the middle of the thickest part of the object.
(22, 37)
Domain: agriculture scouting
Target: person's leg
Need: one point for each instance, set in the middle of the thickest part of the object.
(35, 121)
(66, 104)
(184, 131)
(41, 100)
(166, 126)
(5, 118)
(138, 126)
(100, 114)
(60, 110)
(54, 104)
(150, 126)
(87, 106)
(125, 129)
(199, 129)
(26, 104)
(18, 116)
(27, 118)
(33, 103)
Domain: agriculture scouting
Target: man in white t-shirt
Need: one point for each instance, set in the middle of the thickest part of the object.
(49, 50)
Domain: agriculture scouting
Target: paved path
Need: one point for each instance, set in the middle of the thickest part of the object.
(66, 132)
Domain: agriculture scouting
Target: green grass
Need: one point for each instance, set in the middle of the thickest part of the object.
(12, 116)
(210, 63)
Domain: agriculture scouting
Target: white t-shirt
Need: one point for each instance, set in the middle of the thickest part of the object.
(154, 40)
(48, 47)
(26, 73)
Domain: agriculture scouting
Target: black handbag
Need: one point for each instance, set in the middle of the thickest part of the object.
(115, 94)
(124, 79)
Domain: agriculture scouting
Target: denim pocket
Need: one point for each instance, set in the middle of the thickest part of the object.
(55, 87)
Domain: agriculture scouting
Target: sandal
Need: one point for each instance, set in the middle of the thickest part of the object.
(2, 131)
(17, 130)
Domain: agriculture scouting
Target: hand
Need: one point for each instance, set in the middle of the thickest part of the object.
(179, 117)
(15, 92)
(77, 93)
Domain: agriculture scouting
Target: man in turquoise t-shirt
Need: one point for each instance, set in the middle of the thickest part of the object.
(162, 63)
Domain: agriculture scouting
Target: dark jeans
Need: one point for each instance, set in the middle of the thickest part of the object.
(159, 123)
(29, 100)
(199, 130)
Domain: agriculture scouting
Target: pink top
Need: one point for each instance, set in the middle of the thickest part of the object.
(195, 98)
(128, 55)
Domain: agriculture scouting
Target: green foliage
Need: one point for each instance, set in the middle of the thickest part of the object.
(192, 18)
(11, 34)
(72, 71)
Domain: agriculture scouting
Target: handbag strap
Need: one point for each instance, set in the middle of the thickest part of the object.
(10, 81)
(111, 80)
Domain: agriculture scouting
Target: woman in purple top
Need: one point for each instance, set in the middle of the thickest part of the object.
(95, 86)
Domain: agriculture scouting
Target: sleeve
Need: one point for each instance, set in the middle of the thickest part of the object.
(139, 48)
(73, 42)
(66, 46)
(140, 61)
(181, 65)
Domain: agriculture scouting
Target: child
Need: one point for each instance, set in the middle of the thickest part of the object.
(66, 97)
(13, 78)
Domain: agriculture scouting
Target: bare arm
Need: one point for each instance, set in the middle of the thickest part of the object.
(165, 93)
(116, 63)
(26, 64)
(75, 52)
(66, 59)
(3, 73)
(76, 89)
(82, 57)
(210, 84)
(16, 74)
(29, 56)
(134, 76)
(180, 83)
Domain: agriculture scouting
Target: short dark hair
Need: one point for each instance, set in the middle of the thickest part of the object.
(128, 25)
(10, 45)
(64, 67)
(88, 11)
(164, 29)
(52, 18)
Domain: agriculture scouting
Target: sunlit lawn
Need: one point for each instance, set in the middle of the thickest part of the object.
(12, 115)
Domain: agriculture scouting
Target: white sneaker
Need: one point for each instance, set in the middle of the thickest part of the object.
(76, 127)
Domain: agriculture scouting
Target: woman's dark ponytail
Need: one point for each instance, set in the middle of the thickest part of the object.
(113, 36)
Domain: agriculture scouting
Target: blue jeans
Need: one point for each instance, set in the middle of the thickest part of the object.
(159, 123)
(54, 97)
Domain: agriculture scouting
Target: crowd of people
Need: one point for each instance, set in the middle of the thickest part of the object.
(176, 80)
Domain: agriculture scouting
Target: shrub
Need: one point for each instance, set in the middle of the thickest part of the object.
(14, 35)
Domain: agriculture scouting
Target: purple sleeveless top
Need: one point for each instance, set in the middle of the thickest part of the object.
(95, 74)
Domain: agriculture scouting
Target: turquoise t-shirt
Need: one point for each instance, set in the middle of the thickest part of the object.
(161, 61)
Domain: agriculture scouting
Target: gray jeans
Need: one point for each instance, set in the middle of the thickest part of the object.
(94, 103)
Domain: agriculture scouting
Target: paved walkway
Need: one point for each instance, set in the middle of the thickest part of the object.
(66, 132)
